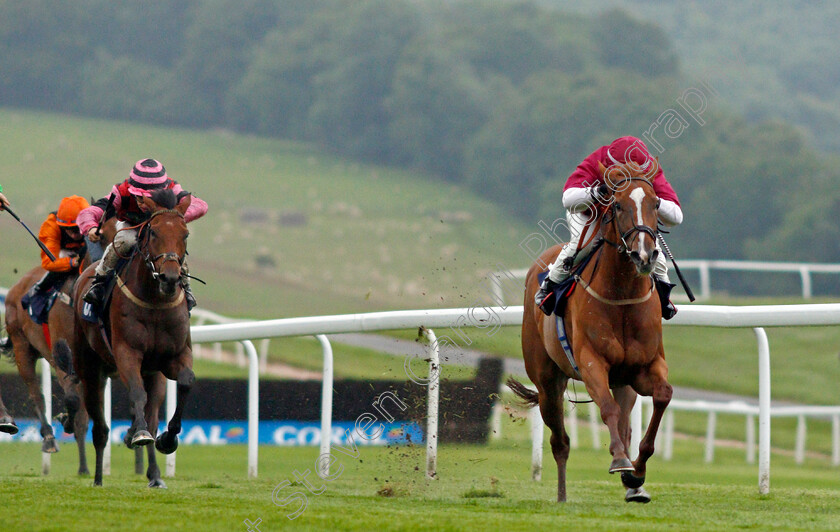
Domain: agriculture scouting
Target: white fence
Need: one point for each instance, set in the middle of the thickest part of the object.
(705, 267)
(755, 317)
(665, 437)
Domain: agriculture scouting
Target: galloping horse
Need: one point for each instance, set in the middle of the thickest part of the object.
(31, 341)
(145, 337)
(613, 321)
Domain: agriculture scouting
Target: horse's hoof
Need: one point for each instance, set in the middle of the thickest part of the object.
(621, 464)
(49, 445)
(166, 444)
(8, 427)
(157, 483)
(637, 495)
(84, 472)
(141, 438)
(631, 481)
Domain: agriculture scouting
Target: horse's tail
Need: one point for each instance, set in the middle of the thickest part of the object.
(530, 397)
(63, 357)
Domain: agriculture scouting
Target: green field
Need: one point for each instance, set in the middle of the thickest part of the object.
(385, 489)
(291, 230)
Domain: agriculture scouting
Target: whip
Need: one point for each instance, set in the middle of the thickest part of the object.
(41, 244)
(668, 253)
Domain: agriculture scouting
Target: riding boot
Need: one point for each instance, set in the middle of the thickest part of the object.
(44, 283)
(663, 289)
(545, 298)
(95, 294)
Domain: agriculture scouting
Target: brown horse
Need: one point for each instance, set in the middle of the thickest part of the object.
(613, 321)
(145, 338)
(28, 341)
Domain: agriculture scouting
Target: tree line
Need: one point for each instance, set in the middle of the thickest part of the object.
(504, 97)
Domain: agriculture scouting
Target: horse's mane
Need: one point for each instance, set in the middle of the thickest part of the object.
(164, 198)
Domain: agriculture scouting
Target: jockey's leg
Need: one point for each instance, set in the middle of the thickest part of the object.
(663, 285)
(123, 243)
(185, 284)
(561, 268)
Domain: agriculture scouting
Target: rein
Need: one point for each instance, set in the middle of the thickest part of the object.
(149, 261)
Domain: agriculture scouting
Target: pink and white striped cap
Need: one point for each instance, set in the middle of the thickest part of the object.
(146, 176)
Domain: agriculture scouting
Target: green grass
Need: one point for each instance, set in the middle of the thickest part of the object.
(372, 238)
(484, 486)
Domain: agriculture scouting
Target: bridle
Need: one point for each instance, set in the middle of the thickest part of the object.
(143, 244)
(610, 217)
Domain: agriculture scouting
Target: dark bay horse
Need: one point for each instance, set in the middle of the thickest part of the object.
(28, 341)
(147, 327)
(613, 321)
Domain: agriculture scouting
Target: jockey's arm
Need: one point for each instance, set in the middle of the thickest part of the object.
(197, 208)
(50, 235)
(577, 199)
(670, 213)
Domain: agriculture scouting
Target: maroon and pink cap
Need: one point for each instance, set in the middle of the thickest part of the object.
(146, 176)
(624, 150)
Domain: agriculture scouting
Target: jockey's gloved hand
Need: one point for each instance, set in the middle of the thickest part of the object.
(598, 193)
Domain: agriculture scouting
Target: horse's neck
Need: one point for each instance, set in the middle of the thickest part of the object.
(139, 280)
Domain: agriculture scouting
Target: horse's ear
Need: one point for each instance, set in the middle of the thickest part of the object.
(184, 204)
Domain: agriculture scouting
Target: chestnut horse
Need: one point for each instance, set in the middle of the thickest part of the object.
(27, 342)
(614, 324)
(145, 337)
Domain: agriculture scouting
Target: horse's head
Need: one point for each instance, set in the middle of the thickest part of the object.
(163, 239)
(630, 212)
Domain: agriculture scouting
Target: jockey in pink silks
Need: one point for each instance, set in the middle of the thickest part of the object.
(580, 193)
(131, 210)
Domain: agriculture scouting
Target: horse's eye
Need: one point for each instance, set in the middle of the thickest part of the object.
(618, 206)
(186, 236)
(152, 233)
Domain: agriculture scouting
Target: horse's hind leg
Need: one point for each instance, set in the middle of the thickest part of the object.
(156, 389)
(80, 426)
(551, 408)
(25, 358)
(94, 391)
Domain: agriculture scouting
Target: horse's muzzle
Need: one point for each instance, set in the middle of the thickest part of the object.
(168, 283)
(644, 262)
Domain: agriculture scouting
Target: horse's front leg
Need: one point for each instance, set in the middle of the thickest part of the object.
(180, 370)
(595, 373)
(653, 381)
(128, 365)
(26, 357)
(156, 388)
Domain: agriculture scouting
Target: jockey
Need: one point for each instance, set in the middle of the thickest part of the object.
(132, 210)
(62, 237)
(580, 193)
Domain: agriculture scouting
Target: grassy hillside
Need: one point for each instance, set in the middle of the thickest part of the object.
(331, 236)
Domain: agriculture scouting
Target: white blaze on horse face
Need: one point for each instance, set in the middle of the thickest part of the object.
(638, 195)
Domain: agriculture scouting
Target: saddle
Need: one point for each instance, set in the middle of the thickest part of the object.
(39, 300)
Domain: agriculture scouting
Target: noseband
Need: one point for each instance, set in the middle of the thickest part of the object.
(141, 247)
(610, 217)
